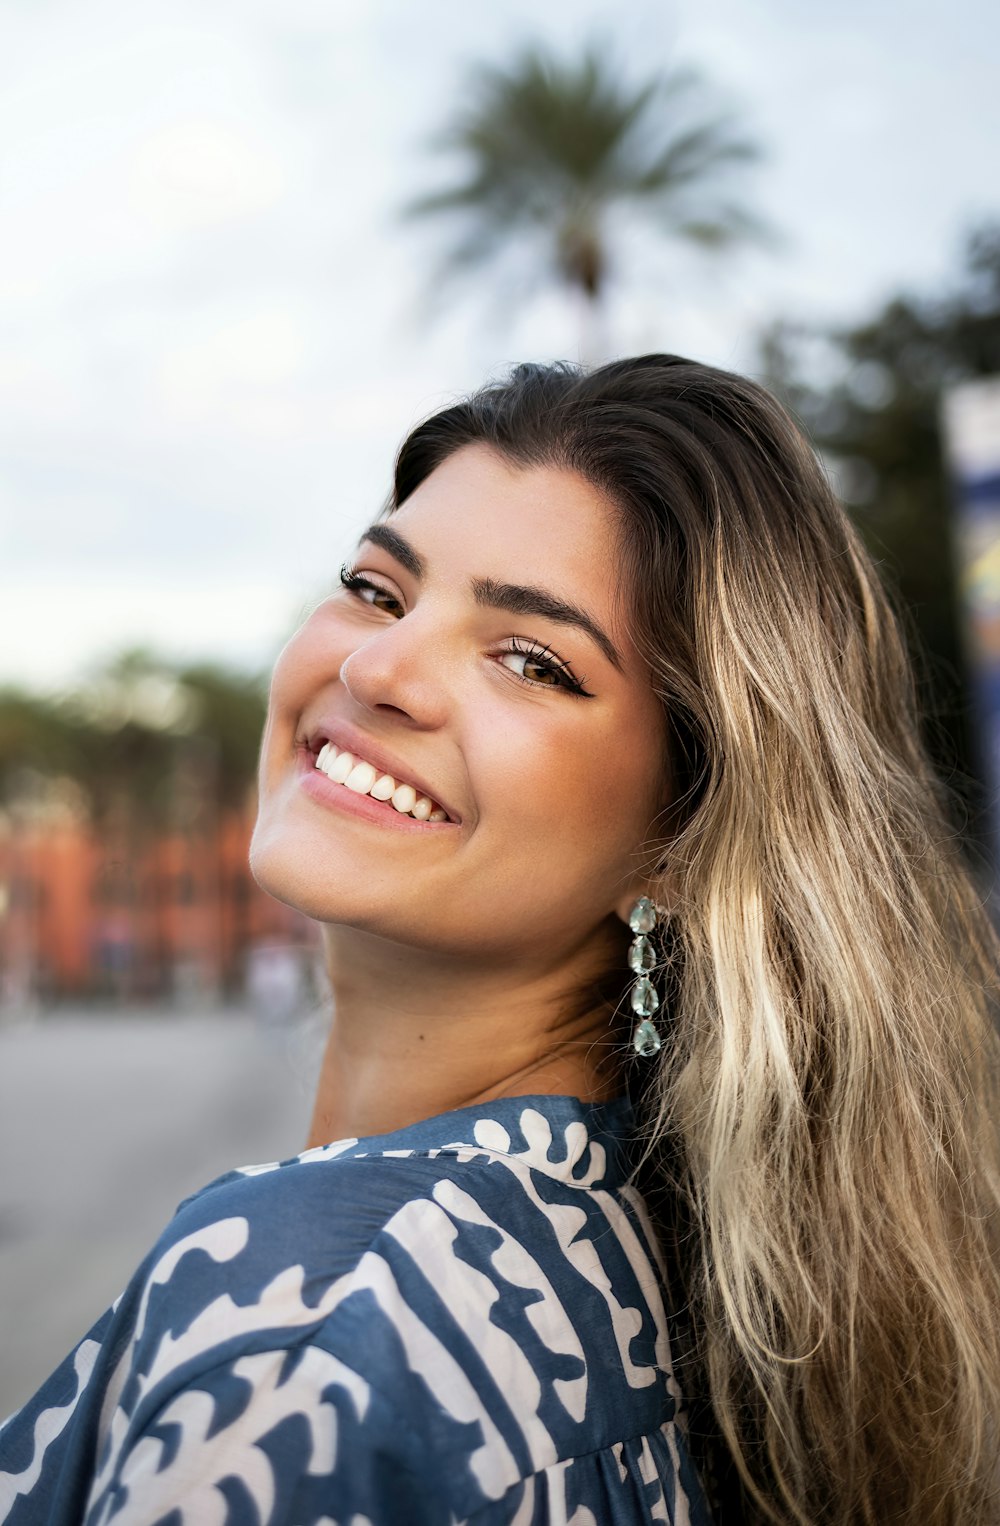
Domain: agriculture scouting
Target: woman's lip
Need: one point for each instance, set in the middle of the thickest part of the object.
(338, 797)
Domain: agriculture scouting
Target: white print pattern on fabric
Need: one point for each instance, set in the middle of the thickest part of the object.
(201, 1459)
(49, 1426)
(461, 1321)
(514, 1262)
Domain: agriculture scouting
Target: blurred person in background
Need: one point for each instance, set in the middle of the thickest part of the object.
(653, 1172)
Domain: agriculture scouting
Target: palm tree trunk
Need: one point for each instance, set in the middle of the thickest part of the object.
(594, 346)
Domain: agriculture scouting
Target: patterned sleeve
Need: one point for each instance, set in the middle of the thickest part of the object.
(285, 1437)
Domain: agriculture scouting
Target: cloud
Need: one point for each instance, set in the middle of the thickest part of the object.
(209, 337)
(41, 622)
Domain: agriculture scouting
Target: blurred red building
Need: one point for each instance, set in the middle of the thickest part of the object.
(175, 912)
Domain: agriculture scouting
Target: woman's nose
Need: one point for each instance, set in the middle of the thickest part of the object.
(401, 669)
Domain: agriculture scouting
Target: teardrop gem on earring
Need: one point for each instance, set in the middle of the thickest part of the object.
(641, 955)
(642, 917)
(646, 1041)
(644, 998)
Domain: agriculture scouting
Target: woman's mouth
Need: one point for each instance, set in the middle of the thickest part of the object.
(339, 777)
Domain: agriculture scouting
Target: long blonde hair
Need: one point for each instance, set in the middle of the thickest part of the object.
(824, 1121)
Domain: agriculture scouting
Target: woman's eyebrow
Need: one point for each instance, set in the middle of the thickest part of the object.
(516, 598)
(390, 540)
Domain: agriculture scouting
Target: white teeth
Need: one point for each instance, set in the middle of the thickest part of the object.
(361, 778)
(364, 779)
(340, 767)
(331, 759)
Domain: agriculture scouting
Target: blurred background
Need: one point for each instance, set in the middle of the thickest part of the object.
(243, 248)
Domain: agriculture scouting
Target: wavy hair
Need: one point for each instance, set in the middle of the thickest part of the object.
(819, 1137)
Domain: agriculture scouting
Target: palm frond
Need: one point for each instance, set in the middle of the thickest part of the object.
(549, 145)
(695, 155)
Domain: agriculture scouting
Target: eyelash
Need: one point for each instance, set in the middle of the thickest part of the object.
(540, 655)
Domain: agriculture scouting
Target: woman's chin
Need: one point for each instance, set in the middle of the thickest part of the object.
(285, 871)
(303, 874)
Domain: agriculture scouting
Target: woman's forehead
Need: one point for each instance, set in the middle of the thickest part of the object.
(477, 506)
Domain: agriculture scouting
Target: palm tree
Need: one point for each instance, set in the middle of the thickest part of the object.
(553, 149)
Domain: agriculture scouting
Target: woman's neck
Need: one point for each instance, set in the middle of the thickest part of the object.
(400, 1050)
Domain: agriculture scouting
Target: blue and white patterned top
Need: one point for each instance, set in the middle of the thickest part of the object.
(459, 1322)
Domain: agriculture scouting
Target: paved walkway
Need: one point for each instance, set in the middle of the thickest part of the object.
(106, 1122)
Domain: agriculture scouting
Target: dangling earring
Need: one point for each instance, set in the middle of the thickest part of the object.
(641, 960)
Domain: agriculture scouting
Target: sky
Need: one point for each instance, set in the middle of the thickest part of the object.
(213, 332)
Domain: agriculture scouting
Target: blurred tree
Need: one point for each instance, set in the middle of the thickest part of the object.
(229, 710)
(870, 397)
(553, 150)
(32, 735)
(123, 734)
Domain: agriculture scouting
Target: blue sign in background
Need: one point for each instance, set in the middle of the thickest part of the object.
(972, 431)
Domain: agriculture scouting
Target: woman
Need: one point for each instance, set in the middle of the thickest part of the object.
(653, 1172)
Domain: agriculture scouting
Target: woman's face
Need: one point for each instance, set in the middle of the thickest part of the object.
(437, 681)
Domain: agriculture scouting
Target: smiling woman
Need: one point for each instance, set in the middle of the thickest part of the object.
(653, 1171)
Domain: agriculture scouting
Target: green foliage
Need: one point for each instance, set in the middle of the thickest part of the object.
(551, 149)
(230, 710)
(875, 415)
(138, 736)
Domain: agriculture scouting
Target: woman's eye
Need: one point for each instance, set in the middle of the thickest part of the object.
(554, 673)
(355, 582)
(532, 669)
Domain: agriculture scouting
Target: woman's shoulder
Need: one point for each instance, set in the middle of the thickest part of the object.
(513, 1202)
(410, 1280)
(531, 1179)
(524, 1149)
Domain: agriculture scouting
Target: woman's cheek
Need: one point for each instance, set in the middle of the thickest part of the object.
(311, 658)
(546, 777)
